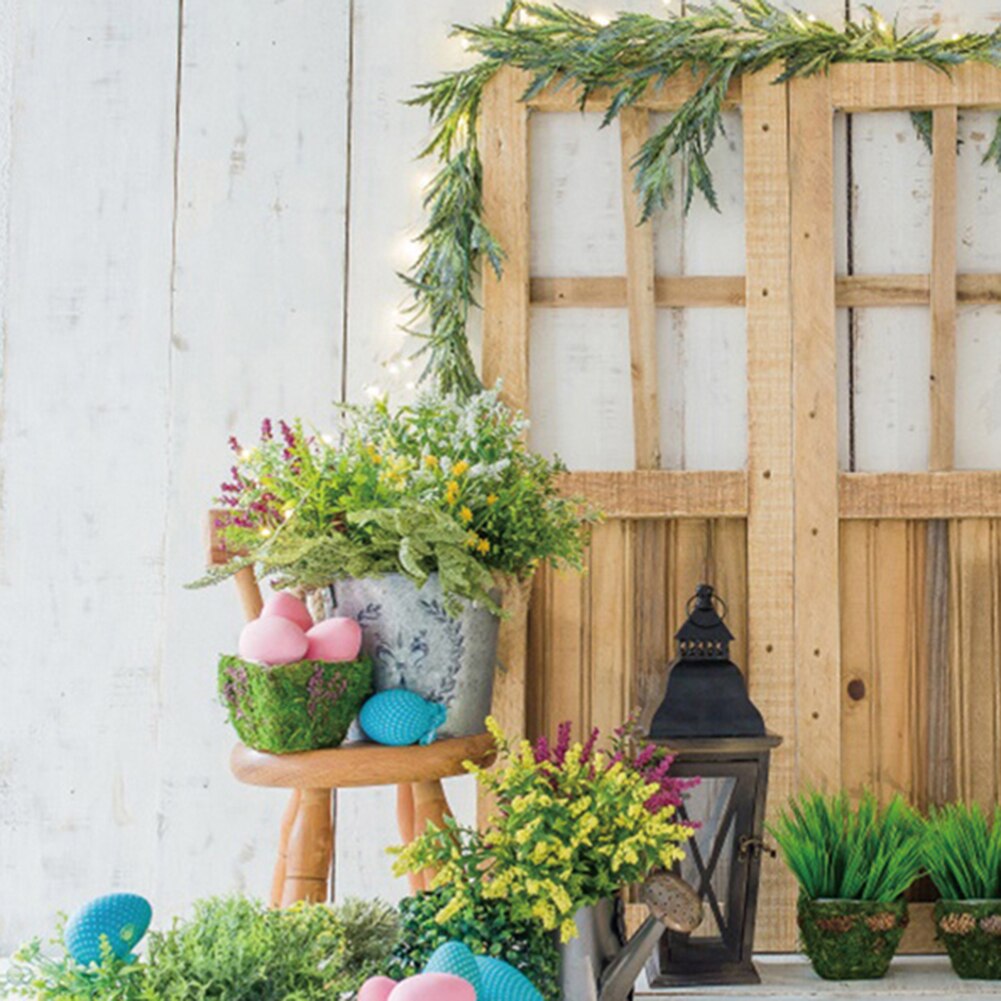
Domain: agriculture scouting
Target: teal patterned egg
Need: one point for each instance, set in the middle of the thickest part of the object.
(122, 917)
(455, 958)
(399, 718)
(502, 982)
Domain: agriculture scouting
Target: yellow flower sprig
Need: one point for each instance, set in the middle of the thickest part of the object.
(562, 836)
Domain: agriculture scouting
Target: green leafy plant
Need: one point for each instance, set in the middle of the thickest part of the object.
(962, 852)
(488, 928)
(231, 949)
(572, 825)
(623, 58)
(838, 851)
(445, 485)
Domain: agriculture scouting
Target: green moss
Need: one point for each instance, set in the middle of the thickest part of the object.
(971, 931)
(851, 939)
(293, 707)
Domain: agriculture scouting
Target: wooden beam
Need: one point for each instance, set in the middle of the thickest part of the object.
(634, 128)
(903, 86)
(771, 660)
(943, 290)
(662, 493)
(815, 442)
(504, 153)
(694, 291)
(962, 494)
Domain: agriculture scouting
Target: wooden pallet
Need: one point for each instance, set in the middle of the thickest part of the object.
(867, 606)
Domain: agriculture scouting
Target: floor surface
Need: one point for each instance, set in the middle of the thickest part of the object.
(789, 978)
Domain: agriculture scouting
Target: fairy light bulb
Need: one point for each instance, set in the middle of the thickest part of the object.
(602, 20)
(373, 391)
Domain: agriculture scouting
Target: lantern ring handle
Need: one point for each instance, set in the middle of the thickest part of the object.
(690, 604)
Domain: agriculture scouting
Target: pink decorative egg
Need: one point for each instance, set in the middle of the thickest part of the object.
(433, 987)
(376, 989)
(272, 641)
(336, 639)
(288, 606)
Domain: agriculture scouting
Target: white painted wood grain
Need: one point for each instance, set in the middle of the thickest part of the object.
(257, 331)
(84, 453)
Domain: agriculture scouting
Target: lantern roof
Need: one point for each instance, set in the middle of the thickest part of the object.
(704, 635)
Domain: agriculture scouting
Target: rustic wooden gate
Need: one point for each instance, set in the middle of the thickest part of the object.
(901, 689)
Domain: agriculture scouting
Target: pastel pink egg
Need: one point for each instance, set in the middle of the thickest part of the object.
(433, 987)
(376, 989)
(272, 641)
(335, 639)
(288, 606)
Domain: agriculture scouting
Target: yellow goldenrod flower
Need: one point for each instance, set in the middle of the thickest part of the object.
(431, 461)
(460, 467)
(483, 546)
(466, 515)
(452, 492)
(492, 499)
(471, 540)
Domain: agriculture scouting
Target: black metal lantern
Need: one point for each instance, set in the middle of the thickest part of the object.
(717, 734)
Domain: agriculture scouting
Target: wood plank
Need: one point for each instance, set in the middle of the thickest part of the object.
(884, 86)
(695, 291)
(504, 153)
(651, 639)
(771, 655)
(974, 602)
(634, 126)
(942, 383)
(561, 96)
(661, 493)
(815, 454)
(959, 494)
(611, 292)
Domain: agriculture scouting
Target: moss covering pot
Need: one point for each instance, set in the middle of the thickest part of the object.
(971, 931)
(293, 707)
(851, 939)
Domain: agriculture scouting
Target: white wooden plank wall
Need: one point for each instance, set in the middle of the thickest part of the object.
(200, 229)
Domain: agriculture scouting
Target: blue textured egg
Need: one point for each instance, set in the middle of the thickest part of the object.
(123, 917)
(399, 717)
(455, 958)
(502, 982)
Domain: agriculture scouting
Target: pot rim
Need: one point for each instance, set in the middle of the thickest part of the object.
(969, 901)
(857, 900)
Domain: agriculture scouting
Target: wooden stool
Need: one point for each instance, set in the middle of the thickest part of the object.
(306, 841)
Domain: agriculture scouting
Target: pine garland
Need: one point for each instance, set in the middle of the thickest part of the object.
(626, 57)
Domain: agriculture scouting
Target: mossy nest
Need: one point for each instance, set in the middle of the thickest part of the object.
(851, 939)
(971, 931)
(293, 707)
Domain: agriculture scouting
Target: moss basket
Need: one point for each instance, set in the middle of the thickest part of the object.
(971, 931)
(293, 707)
(851, 939)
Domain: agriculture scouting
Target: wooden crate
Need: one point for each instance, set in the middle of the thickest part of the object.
(867, 606)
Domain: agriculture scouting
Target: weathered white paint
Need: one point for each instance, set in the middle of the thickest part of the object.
(118, 393)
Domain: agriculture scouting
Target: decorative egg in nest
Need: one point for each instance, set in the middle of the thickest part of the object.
(272, 640)
(433, 987)
(122, 917)
(334, 640)
(502, 982)
(400, 718)
(283, 605)
(457, 959)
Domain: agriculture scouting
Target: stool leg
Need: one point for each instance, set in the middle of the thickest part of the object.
(310, 849)
(431, 805)
(281, 864)
(405, 822)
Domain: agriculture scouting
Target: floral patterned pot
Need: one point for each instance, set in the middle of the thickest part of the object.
(415, 644)
(971, 931)
(851, 939)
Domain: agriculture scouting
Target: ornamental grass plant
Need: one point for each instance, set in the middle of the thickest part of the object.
(962, 853)
(572, 824)
(446, 485)
(853, 865)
